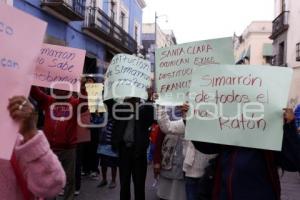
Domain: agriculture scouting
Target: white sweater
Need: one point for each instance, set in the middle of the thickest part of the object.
(195, 162)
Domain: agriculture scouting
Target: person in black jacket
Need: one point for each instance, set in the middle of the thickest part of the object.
(247, 173)
(130, 138)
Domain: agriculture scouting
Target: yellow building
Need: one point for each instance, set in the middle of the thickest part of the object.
(254, 46)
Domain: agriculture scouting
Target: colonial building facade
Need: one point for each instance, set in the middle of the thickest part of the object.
(286, 33)
(102, 27)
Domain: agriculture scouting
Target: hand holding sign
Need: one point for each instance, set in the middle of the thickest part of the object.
(22, 111)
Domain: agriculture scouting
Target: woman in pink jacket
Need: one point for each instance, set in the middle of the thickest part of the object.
(34, 171)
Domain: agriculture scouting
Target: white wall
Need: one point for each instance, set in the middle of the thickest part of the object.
(162, 40)
(293, 35)
(255, 36)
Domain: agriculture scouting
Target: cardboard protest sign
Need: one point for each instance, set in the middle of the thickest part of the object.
(238, 105)
(19, 49)
(127, 76)
(294, 95)
(175, 64)
(95, 100)
(59, 67)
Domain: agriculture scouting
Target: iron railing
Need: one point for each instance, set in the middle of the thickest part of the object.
(76, 6)
(280, 24)
(108, 29)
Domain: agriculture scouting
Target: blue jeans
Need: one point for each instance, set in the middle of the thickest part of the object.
(150, 152)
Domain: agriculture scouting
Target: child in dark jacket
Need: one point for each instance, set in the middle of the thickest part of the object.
(248, 174)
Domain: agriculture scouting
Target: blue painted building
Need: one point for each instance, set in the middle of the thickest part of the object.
(102, 27)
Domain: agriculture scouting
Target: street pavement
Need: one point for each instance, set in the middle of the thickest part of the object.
(290, 183)
(89, 190)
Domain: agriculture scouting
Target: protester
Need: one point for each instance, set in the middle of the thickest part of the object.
(60, 130)
(244, 173)
(193, 164)
(108, 157)
(130, 137)
(171, 181)
(83, 136)
(90, 156)
(34, 170)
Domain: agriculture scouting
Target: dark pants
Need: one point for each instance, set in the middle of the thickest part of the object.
(90, 156)
(67, 158)
(79, 151)
(135, 167)
(196, 190)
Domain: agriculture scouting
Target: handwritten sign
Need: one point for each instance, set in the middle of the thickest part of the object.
(294, 95)
(19, 48)
(127, 76)
(95, 100)
(175, 65)
(59, 67)
(238, 105)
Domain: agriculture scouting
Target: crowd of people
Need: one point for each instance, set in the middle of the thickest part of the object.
(136, 133)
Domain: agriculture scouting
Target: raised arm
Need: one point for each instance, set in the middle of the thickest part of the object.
(167, 126)
(39, 166)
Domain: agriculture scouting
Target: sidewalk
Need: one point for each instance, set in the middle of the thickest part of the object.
(290, 186)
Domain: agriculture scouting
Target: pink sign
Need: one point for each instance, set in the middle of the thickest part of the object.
(21, 37)
(59, 67)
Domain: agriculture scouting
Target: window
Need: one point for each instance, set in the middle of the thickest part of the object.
(123, 17)
(136, 29)
(112, 10)
(269, 60)
(298, 52)
(93, 3)
(122, 20)
(283, 5)
(280, 58)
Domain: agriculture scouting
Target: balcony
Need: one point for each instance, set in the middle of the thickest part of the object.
(104, 29)
(298, 52)
(66, 10)
(280, 25)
